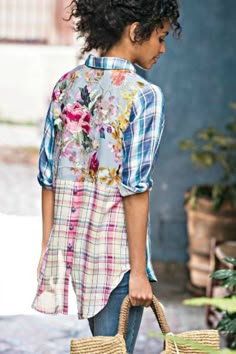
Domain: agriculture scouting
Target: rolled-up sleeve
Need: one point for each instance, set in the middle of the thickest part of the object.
(141, 140)
(45, 174)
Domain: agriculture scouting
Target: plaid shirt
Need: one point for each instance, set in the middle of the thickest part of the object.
(101, 137)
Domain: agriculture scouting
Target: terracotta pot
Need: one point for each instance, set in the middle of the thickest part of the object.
(199, 268)
(202, 225)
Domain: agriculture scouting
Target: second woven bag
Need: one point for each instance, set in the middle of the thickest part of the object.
(203, 341)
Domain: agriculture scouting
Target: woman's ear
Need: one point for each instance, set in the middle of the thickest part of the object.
(132, 31)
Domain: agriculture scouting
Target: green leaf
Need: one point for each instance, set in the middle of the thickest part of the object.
(230, 282)
(207, 133)
(193, 198)
(224, 304)
(227, 324)
(223, 274)
(187, 144)
(230, 260)
(217, 203)
(202, 159)
(208, 147)
(211, 146)
(232, 105)
(226, 142)
(180, 340)
(231, 127)
(196, 346)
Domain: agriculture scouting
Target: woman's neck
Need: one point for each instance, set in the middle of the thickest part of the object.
(120, 51)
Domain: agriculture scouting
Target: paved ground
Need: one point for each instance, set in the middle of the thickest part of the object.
(24, 331)
(27, 334)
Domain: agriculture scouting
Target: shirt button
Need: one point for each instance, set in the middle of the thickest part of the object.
(73, 209)
(69, 246)
(68, 266)
(75, 190)
(71, 227)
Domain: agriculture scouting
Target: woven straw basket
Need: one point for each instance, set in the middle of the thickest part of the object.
(191, 342)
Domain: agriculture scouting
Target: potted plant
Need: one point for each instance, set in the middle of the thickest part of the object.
(225, 306)
(211, 208)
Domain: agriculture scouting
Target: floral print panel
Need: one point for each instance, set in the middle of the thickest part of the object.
(90, 122)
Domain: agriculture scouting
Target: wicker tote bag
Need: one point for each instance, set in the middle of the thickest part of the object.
(105, 345)
(191, 342)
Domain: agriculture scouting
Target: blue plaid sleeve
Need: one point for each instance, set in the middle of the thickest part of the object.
(46, 151)
(141, 140)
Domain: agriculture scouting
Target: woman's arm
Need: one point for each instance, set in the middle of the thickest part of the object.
(136, 214)
(141, 140)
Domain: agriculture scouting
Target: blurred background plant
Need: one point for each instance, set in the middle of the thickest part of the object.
(226, 305)
(212, 146)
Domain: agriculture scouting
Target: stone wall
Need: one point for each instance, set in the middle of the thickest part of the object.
(198, 77)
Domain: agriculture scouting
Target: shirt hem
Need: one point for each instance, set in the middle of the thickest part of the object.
(50, 313)
(82, 317)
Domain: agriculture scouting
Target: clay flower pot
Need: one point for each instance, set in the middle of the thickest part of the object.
(203, 224)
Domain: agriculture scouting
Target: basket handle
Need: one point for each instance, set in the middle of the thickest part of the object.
(157, 309)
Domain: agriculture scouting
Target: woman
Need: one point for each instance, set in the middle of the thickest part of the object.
(102, 133)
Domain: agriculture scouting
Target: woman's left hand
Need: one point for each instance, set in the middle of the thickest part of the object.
(140, 290)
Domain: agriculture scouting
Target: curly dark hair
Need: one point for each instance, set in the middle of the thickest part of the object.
(102, 22)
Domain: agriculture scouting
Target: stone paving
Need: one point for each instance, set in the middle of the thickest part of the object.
(21, 331)
(46, 334)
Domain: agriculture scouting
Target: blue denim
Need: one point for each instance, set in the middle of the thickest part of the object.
(105, 323)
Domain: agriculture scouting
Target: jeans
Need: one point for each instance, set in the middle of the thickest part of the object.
(105, 323)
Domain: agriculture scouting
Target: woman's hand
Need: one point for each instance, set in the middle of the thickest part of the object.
(140, 290)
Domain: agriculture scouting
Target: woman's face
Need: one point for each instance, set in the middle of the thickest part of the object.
(147, 53)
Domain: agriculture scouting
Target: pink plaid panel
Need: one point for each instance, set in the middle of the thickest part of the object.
(88, 242)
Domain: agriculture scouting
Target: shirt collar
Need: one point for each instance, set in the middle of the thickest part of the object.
(109, 63)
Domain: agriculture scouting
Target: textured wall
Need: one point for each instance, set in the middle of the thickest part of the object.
(198, 77)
